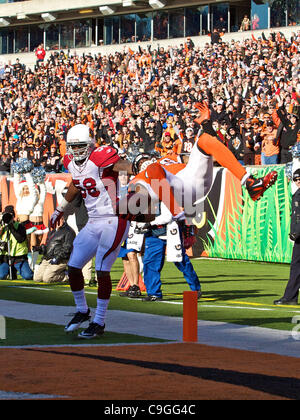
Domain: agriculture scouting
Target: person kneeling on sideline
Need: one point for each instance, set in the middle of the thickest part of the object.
(57, 252)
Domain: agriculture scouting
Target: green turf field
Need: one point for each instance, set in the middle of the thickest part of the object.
(233, 291)
(26, 333)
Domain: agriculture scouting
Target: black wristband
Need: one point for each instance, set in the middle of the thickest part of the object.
(208, 128)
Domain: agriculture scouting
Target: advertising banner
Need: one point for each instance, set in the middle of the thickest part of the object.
(235, 227)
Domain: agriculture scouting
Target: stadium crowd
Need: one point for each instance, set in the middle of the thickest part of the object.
(145, 100)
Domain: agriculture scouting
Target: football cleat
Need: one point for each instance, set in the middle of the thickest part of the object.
(126, 293)
(78, 319)
(135, 292)
(152, 298)
(257, 187)
(94, 330)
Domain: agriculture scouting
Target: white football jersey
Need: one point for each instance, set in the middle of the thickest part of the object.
(96, 180)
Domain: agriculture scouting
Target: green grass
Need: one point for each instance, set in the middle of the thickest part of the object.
(27, 333)
(233, 291)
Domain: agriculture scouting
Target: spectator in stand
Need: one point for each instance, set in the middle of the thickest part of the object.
(38, 152)
(248, 143)
(40, 54)
(269, 145)
(215, 37)
(245, 25)
(288, 128)
(136, 146)
(257, 140)
(186, 143)
(235, 144)
(5, 162)
(150, 91)
(166, 145)
(218, 113)
(52, 161)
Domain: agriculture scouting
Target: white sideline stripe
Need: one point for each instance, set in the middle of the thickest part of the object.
(219, 334)
(169, 302)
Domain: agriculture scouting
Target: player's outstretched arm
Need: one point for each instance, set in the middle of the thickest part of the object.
(204, 112)
(204, 118)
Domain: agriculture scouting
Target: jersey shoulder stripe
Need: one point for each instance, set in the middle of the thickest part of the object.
(66, 161)
(104, 156)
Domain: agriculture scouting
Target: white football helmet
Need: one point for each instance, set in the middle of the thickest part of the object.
(79, 142)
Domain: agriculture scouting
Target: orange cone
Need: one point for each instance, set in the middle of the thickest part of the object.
(124, 284)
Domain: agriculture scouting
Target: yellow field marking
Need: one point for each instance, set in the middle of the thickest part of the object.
(262, 304)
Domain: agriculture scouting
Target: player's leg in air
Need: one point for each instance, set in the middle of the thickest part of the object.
(210, 145)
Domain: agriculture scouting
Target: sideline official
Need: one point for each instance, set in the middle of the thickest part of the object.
(291, 293)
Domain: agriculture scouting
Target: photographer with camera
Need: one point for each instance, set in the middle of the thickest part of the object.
(56, 253)
(291, 293)
(13, 247)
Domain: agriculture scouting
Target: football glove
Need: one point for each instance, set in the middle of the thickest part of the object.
(55, 218)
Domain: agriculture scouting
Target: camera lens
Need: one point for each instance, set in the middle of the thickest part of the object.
(7, 218)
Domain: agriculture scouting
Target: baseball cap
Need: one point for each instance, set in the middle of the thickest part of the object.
(296, 174)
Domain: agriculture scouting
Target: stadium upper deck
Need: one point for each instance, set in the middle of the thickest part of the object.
(92, 25)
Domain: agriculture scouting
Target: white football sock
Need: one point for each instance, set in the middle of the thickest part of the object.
(80, 301)
(101, 309)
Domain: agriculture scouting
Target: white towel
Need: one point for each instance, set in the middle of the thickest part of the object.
(174, 247)
(134, 240)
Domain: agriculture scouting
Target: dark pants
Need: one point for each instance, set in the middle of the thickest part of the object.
(285, 156)
(249, 159)
(292, 288)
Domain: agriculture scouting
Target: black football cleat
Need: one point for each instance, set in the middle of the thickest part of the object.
(94, 330)
(78, 319)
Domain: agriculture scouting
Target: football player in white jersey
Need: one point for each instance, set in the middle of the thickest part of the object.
(94, 174)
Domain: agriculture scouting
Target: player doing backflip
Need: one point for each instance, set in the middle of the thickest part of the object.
(94, 174)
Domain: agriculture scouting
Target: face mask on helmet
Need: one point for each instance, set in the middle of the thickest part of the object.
(141, 162)
(79, 142)
(146, 163)
(79, 151)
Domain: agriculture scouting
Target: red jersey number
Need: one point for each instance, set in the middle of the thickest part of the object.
(89, 187)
